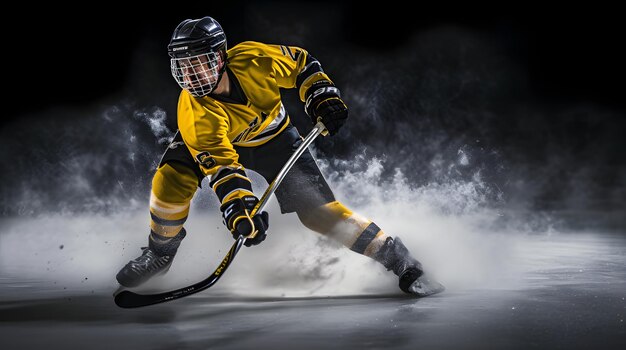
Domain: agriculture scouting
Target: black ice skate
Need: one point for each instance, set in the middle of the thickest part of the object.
(396, 257)
(156, 259)
(421, 285)
(141, 269)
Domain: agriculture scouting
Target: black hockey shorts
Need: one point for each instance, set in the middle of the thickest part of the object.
(303, 188)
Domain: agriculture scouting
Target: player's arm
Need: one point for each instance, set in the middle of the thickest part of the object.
(206, 138)
(296, 68)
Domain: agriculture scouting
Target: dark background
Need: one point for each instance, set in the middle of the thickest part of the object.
(533, 98)
(570, 53)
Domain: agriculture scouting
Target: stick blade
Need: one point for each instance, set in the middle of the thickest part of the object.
(128, 300)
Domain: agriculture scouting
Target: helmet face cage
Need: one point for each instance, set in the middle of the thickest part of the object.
(198, 74)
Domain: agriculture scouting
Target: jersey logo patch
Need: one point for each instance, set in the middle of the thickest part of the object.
(251, 127)
(205, 160)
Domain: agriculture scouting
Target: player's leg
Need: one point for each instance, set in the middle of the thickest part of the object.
(363, 236)
(173, 186)
(305, 192)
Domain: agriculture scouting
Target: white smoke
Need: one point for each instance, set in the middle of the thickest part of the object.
(156, 119)
(444, 225)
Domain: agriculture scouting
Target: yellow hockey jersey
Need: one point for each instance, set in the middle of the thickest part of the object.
(211, 126)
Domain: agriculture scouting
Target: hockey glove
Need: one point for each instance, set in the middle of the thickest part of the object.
(236, 215)
(324, 103)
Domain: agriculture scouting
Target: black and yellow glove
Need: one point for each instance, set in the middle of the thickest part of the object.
(323, 102)
(236, 215)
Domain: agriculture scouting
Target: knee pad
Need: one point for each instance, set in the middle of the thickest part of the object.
(340, 223)
(174, 183)
(172, 190)
(323, 218)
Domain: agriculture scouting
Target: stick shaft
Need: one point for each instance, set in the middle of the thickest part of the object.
(317, 130)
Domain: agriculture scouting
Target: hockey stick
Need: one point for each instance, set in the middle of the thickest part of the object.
(128, 299)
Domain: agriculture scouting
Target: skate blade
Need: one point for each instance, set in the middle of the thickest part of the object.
(425, 286)
(119, 289)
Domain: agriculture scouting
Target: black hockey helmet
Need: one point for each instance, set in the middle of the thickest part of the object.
(198, 55)
(197, 36)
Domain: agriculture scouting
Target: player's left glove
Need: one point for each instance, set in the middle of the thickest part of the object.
(236, 215)
(323, 102)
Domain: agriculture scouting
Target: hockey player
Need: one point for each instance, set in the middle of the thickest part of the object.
(231, 118)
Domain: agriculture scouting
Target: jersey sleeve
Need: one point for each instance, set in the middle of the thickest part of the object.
(294, 67)
(204, 131)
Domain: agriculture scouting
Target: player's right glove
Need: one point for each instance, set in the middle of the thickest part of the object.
(236, 215)
(323, 102)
